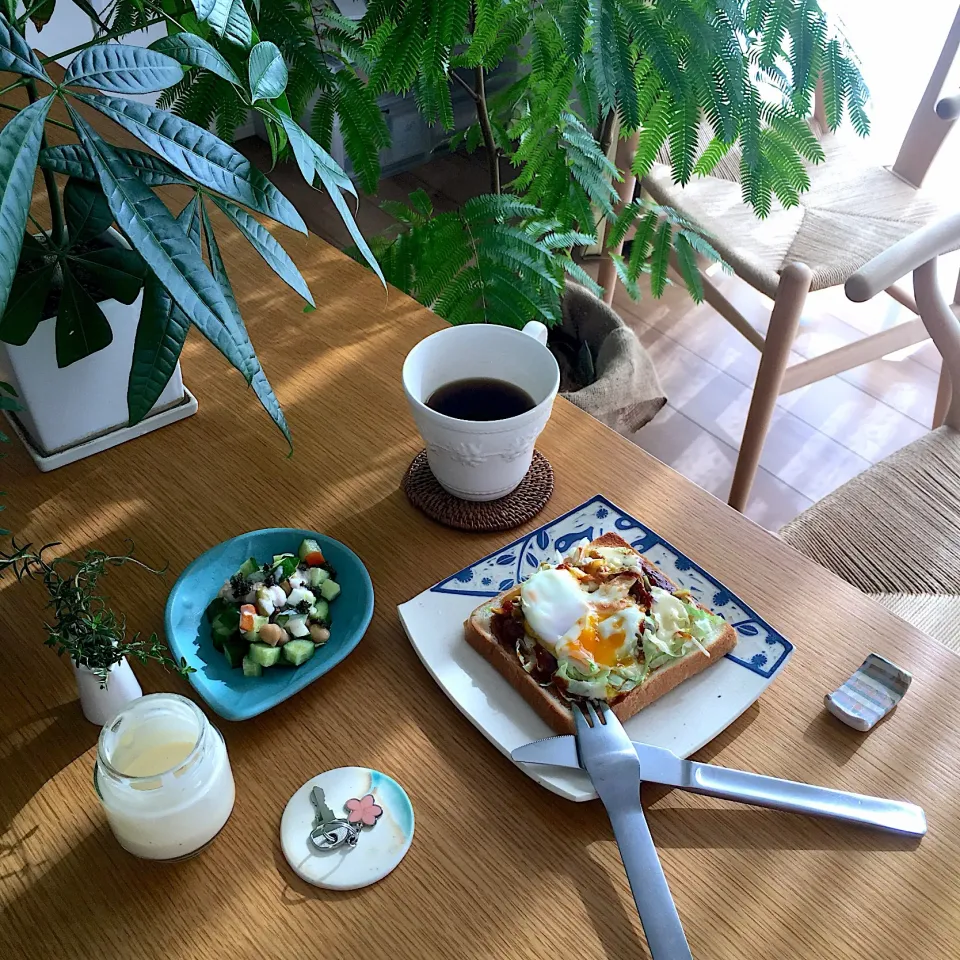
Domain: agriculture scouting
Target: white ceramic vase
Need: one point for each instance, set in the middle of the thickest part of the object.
(64, 408)
(100, 704)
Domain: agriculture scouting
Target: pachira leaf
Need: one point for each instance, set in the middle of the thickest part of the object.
(82, 329)
(25, 304)
(267, 71)
(193, 51)
(200, 155)
(71, 159)
(119, 68)
(19, 148)
(17, 56)
(204, 8)
(230, 20)
(264, 243)
(34, 249)
(119, 271)
(160, 240)
(86, 209)
(161, 332)
(258, 382)
(315, 162)
(40, 15)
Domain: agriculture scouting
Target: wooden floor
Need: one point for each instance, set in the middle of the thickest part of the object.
(821, 436)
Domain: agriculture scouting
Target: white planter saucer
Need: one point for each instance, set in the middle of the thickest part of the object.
(46, 462)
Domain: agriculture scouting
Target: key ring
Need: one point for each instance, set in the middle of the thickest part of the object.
(330, 832)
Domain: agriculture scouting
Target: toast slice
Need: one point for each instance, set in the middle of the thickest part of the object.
(496, 630)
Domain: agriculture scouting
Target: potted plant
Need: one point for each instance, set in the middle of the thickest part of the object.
(86, 630)
(97, 307)
(691, 80)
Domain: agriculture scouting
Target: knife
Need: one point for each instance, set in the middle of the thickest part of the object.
(658, 765)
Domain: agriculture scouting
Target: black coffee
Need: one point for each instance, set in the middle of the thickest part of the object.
(480, 398)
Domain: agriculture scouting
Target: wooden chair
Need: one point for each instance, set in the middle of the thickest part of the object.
(853, 211)
(892, 530)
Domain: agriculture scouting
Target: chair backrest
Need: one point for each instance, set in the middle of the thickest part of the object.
(929, 128)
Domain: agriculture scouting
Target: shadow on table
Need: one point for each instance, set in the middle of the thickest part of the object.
(834, 737)
(35, 758)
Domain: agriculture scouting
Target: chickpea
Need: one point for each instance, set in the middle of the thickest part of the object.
(272, 633)
(286, 587)
(318, 634)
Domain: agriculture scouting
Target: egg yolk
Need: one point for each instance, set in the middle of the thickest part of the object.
(602, 646)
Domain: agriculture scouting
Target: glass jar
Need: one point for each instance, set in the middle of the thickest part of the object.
(164, 778)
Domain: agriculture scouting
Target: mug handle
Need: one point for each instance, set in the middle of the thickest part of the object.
(536, 330)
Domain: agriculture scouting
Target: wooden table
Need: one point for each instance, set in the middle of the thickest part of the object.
(499, 866)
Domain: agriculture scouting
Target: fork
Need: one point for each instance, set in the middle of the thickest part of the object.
(607, 755)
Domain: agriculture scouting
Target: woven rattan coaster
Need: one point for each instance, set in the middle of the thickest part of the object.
(426, 494)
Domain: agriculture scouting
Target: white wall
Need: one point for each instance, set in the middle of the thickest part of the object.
(70, 26)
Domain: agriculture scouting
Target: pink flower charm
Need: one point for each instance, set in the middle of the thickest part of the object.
(365, 810)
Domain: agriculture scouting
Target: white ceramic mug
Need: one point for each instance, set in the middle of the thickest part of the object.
(481, 459)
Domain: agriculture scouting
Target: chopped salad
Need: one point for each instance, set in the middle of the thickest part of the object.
(277, 613)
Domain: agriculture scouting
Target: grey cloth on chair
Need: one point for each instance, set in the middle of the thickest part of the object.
(894, 532)
(626, 393)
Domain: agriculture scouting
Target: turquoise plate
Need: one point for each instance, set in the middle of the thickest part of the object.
(229, 692)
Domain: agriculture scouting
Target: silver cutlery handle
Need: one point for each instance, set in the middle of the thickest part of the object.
(893, 815)
(658, 912)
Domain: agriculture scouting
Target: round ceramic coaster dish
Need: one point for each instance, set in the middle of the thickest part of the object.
(366, 828)
(531, 496)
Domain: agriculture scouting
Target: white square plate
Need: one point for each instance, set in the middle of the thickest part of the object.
(684, 720)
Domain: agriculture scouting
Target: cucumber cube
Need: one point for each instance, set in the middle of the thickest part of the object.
(263, 654)
(321, 612)
(248, 566)
(297, 651)
(316, 576)
(251, 668)
(235, 649)
(226, 623)
(216, 607)
(330, 590)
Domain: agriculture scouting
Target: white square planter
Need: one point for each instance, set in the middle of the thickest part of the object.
(82, 409)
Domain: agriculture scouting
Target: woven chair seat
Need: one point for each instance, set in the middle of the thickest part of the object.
(853, 211)
(894, 532)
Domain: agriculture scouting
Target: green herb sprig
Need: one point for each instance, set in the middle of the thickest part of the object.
(84, 627)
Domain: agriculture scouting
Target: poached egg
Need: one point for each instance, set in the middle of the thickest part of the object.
(592, 630)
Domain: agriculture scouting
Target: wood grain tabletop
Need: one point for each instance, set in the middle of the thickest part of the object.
(499, 866)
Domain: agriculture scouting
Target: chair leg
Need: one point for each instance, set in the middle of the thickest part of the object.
(784, 320)
(944, 396)
(607, 276)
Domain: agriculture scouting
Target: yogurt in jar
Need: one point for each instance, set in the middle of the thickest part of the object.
(163, 777)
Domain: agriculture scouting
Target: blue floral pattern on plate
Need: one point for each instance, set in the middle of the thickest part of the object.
(759, 649)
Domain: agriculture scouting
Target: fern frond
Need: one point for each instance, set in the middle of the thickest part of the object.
(660, 258)
(641, 244)
(653, 135)
(775, 27)
(574, 270)
(684, 127)
(573, 18)
(704, 248)
(623, 273)
(654, 41)
(807, 36)
(833, 84)
(689, 269)
(712, 154)
(757, 12)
